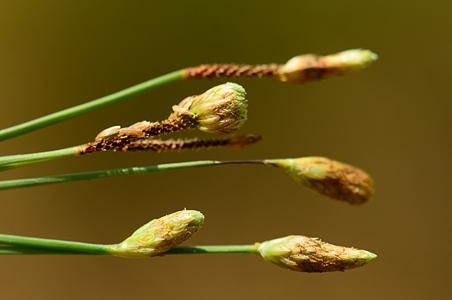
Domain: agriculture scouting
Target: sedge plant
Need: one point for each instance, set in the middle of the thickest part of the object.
(221, 110)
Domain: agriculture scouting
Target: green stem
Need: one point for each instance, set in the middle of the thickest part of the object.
(12, 161)
(27, 182)
(77, 110)
(213, 249)
(22, 243)
(35, 251)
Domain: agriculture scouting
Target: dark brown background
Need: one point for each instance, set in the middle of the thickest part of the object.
(393, 120)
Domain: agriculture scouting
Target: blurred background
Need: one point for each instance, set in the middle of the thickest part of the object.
(393, 120)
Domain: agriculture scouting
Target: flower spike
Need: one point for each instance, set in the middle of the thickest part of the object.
(329, 177)
(305, 254)
(160, 235)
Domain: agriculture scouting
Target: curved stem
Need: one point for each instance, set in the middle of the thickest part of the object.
(77, 110)
(27, 182)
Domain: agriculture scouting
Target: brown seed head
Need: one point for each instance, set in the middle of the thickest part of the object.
(221, 109)
(305, 254)
(329, 177)
(310, 67)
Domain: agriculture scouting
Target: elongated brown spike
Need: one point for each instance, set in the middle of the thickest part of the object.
(232, 70)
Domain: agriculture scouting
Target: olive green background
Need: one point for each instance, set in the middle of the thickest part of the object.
(393, 120)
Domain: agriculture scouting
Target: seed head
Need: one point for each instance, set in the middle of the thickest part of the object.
(160, 235)
(305, 254)
(221, 109)
(329, 177)
(309, 67)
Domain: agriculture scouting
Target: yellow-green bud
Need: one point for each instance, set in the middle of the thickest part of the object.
(350, 60)
(309, 67)
(329, 177)
(221, 109)
(160, 235)
(305, 254)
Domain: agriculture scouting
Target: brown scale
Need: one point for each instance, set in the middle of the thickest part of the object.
(232, 70)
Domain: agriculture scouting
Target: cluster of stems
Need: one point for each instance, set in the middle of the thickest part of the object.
(219, 110)
(162, 236)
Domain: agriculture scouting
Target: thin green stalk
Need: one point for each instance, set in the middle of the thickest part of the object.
(19, 242)
(35, 251)
(208, 249)
(77, 110)
(27, 182)
(22, 245)
(213, 249)
(13, 161)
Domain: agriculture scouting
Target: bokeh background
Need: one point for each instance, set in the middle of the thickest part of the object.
(393, 120)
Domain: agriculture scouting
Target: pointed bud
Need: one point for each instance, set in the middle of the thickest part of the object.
(350, 60)
(222, 109)
(309, 67)
(160, 235)
(304, 254)
(329, 177)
